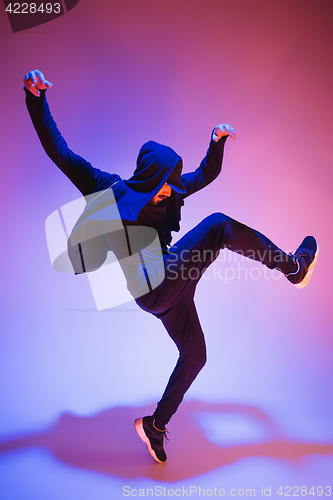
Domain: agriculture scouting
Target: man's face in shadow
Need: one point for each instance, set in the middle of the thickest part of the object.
(163, 193)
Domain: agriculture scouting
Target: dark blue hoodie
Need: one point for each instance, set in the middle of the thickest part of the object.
(112, 200)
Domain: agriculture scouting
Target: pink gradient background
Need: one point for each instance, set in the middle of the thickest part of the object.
(125, 73)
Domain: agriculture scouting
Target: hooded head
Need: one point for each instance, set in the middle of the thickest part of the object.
(156, 165)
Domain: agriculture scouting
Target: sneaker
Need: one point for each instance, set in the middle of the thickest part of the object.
(152, 436)
(305, 257)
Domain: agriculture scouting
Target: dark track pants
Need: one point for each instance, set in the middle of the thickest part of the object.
(172, 301)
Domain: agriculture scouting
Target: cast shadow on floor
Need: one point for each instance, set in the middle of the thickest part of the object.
(107, 442)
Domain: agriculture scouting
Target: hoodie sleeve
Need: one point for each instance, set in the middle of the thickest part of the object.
(208, 170)
(83, 175)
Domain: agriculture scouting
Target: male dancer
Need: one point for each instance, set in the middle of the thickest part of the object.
(152, 198)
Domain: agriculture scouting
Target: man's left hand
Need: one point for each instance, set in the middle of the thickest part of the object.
(222, 130)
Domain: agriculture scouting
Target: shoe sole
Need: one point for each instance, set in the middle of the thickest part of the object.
(308, 275)
(138, 424)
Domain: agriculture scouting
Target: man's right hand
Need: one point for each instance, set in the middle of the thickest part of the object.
(35, 81)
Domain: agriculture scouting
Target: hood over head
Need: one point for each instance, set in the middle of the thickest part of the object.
(155, 164)
(106, 210)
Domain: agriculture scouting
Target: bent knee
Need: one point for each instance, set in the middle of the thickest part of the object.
(197, 357)
(215, 220)
(203, 359)
(219, 218)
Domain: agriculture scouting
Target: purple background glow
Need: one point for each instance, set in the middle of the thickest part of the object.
(125, 73)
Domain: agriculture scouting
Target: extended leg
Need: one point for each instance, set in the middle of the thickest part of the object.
(173, 302)
(193, 253)
(183, 326)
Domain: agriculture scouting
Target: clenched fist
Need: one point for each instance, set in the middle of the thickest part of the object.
(35, 81)
(222, 130)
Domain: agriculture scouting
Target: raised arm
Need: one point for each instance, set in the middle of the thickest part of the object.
(83, 175)
(211, 165)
